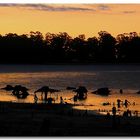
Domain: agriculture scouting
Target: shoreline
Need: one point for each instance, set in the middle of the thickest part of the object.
(53, 67)
(65, 64)
(27, 119)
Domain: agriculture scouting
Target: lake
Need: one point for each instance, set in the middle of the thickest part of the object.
(116, 77)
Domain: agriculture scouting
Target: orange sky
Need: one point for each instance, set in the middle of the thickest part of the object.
(74, 19)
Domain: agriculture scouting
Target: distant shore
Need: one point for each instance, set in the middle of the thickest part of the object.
(26, 119)
(6, 68)
(71, 63)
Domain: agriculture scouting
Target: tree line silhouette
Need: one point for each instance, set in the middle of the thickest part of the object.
(34, 48)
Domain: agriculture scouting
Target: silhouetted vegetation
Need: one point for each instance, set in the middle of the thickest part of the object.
(34, 48)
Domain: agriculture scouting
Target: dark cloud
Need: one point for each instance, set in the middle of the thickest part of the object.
(57, 8)
(129, 12)
(7, 5)
(45, 7)
(103, 7)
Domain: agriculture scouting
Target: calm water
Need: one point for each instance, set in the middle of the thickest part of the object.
(115, 77)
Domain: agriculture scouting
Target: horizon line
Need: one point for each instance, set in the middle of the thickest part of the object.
(73, 36)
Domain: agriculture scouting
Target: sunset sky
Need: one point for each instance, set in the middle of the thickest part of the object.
(74, 19)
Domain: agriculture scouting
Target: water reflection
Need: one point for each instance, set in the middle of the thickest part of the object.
(93, 77)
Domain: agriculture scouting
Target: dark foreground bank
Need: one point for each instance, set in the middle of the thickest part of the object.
(19, 119)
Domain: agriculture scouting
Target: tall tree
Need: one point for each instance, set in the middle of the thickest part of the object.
(107, 47)
(93, 49)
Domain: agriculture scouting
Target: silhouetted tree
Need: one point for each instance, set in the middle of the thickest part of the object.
(79, 48)
(93, 49)
(62, 48)
(106, 47)
(128, 46)
(58, 44)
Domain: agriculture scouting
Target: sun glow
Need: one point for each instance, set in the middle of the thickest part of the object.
(74, 19)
